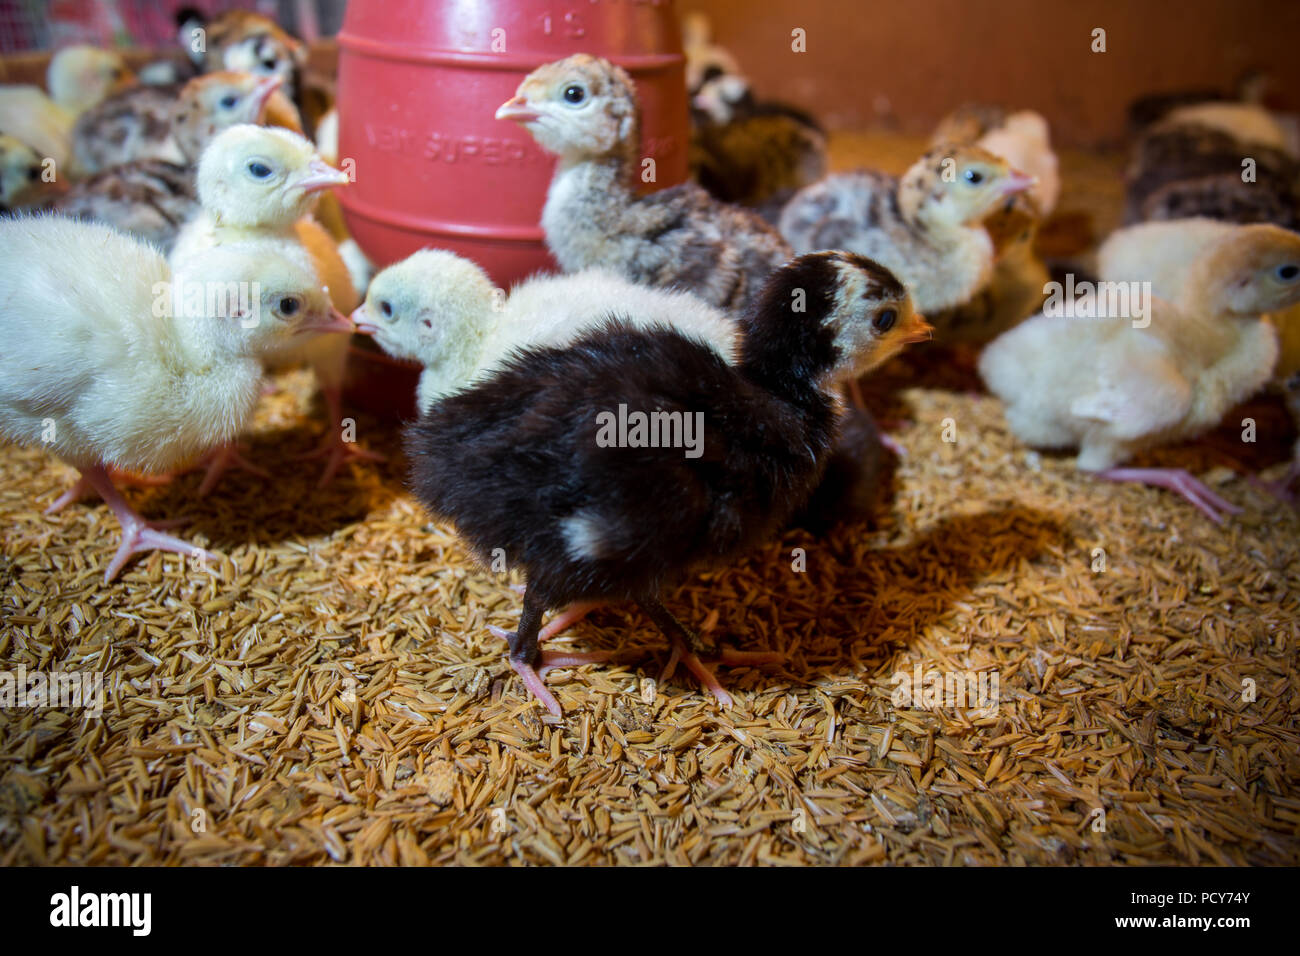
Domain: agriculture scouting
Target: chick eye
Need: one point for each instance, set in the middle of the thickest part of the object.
(33, 174)
(259, 170)
(885, 320)
(387, 309)
(574, 94)
(290, 305)
(973, 176)
(228, 101)
(1288, 272)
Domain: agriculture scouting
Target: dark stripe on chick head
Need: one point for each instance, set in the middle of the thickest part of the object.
(789, 343)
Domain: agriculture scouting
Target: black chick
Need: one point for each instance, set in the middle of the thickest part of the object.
(522, 461)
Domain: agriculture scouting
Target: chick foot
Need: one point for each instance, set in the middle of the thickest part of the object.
(335, 448)
(682, 641)
(138, 535)
(1280, 489)
(1176, 479)
(219, 460)
(567, 617)
(532, 673)
(81, 488)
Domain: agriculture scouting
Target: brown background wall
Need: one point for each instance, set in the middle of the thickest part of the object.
(907, 62)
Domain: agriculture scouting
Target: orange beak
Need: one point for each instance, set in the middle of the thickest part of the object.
(518, 110)
(918, 330)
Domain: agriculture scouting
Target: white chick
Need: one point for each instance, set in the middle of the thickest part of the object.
(441, 310)
(111, 361)
(584, 110)
(152, 198)
(1166, 254)
(925, 227)
(261, 183)
(1144, 387)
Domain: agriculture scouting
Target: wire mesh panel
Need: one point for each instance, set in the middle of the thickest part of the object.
(50, 24)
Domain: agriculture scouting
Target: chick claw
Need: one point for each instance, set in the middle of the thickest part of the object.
(1176, 479)
(338, 452)
(82, 488)
(138, 535)
(532, 674)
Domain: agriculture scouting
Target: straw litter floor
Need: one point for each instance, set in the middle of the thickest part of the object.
(331, 694)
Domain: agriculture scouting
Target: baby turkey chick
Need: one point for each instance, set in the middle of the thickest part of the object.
(925, 227)
(584, 110)
(1143, 387)
(22, 181)
(522, 461)
(261, 183)
(111, 362)
(152, 198)
(1022, 138)
(1171, 255)
(442, 311)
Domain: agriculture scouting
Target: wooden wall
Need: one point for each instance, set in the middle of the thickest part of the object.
(906, 62)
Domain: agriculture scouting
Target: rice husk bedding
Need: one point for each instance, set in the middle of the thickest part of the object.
(331, 695)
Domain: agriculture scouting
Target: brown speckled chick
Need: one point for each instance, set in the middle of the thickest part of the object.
(925, 227)
(584, 110)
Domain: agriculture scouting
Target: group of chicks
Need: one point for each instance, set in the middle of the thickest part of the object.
(753, 319)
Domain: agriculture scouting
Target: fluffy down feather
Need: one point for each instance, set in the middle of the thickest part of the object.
(585, 111)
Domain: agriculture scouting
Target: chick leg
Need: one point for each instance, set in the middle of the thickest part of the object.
(81, 488)
(1176, 479)
(334, 448)
(568, 617)
(219, 460)
(1280, 489)
(531, 663)
(137, 534)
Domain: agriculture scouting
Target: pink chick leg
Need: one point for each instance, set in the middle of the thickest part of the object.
(81, 488)
(138, 535)
(219, 460)
(681, 643)
(533, 673)
(1280, 489)
(333, 448)
(1178, 480)
(568, 617)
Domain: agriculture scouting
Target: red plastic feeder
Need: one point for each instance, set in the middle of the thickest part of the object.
(418, 88)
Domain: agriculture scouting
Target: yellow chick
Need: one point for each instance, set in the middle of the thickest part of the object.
(23, 180)
(113, 361)
(78, 77)
(1164, 254)
(260, 183)
(1152, 379)
(83, 76)
(926, 227)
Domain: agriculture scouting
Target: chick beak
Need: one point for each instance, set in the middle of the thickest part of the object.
(361, 320)
(1017, 182)
(321, 175)
(336, 321)
(517, 109)
(918, 330)
(263, 92)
